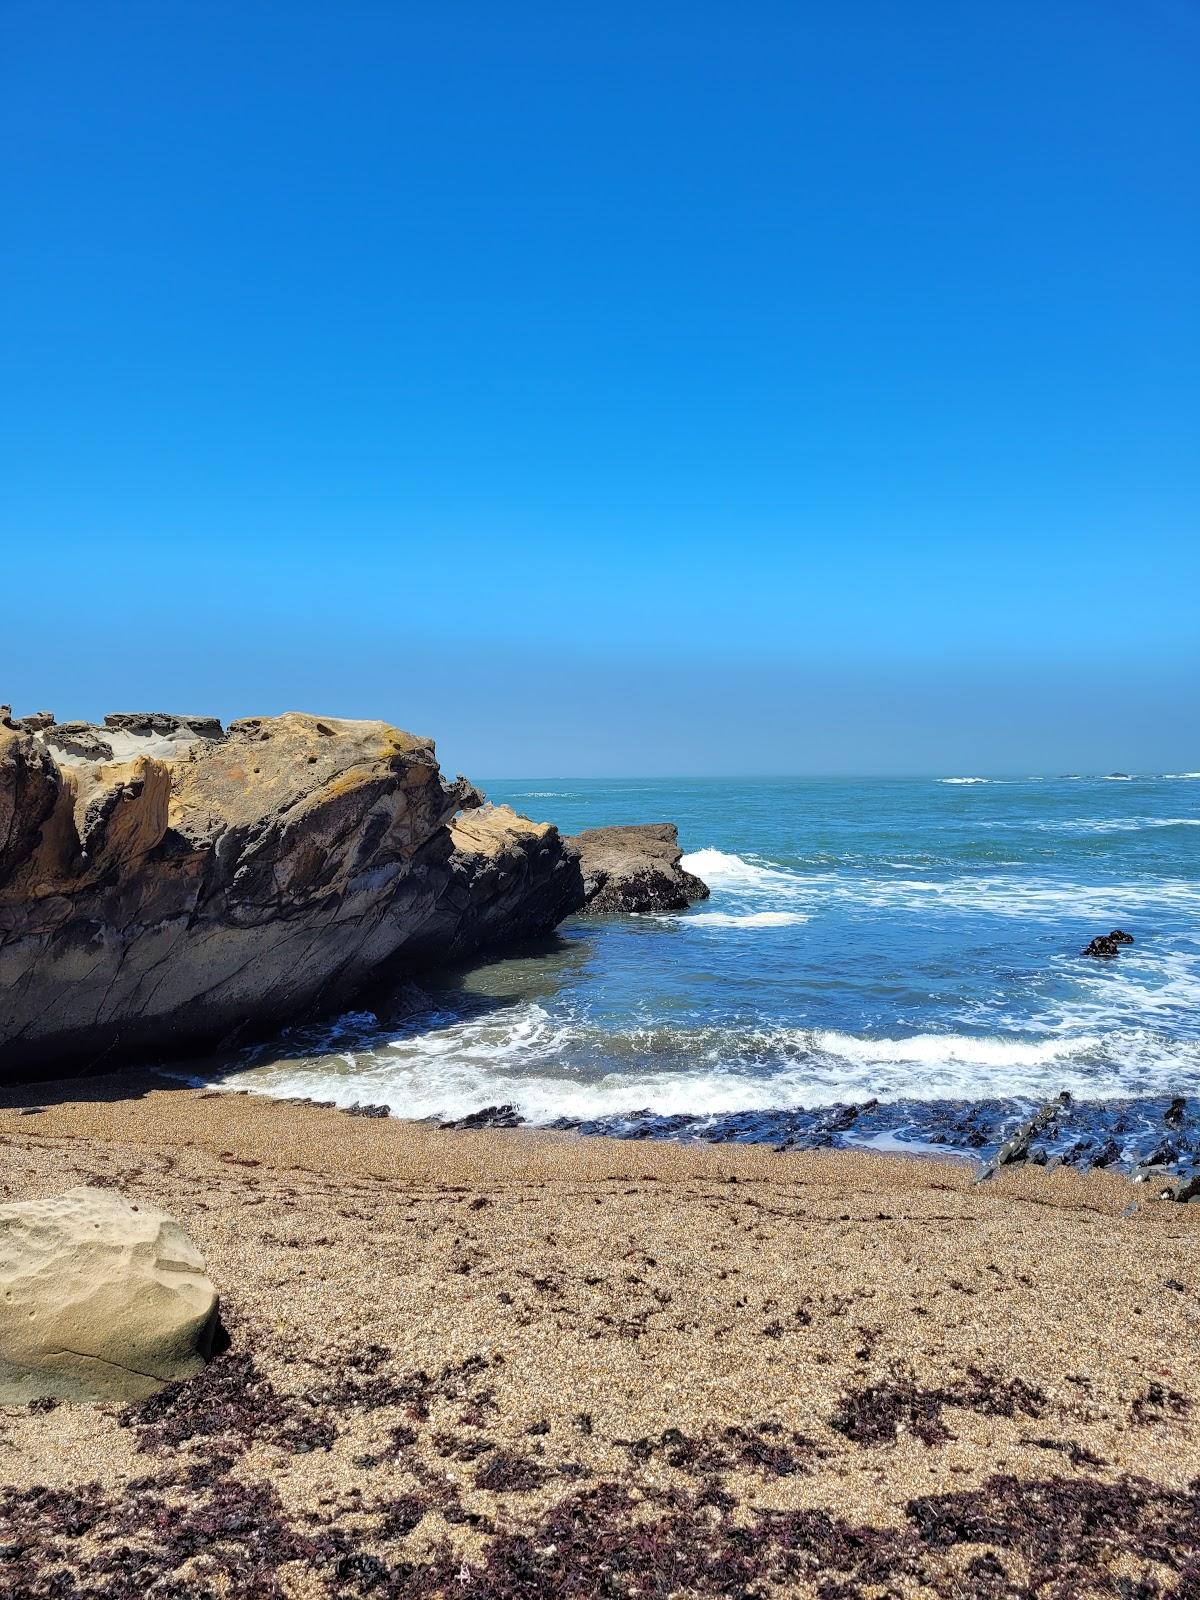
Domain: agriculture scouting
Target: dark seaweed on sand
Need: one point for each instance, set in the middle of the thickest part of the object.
(878, 1413)
(202, 1527)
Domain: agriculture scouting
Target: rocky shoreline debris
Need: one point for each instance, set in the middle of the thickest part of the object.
(1154, 1140)
(1019, 1146)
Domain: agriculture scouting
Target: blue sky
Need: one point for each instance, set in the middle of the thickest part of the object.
(611, 389)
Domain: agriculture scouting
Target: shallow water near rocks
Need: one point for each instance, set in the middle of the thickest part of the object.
(914, 943)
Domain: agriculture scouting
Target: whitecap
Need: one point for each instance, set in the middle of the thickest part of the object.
(720, 869)
(964, 780)
(954, 1049)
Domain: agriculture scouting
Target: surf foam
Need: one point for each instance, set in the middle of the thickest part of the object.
(554, 1068)
(720, 869)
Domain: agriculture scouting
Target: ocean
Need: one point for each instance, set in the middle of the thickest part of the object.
(893, 963)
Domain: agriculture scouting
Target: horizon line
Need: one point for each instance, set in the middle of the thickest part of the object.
(1116, 776)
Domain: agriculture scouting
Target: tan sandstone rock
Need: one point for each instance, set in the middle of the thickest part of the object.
(100, 1299)
(166, 883)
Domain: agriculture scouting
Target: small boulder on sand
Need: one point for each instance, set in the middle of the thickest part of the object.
(101, 1298)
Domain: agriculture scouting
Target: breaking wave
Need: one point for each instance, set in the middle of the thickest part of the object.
(721, 870)
(1038, 898)
(562, 1068)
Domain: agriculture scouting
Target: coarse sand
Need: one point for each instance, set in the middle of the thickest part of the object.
(516, 1364)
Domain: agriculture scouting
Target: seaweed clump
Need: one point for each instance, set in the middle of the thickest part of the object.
(878, 1413)
(178, 1536)
(231, 1399)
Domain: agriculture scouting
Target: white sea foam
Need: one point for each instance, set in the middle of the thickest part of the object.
(954, 1049)
(747, 919)
(964, 780)
(1145, 989)
(1086, 824)
(1126, 824)
(1010, 895)
(1041, 899)
(998, 894)
(719, 869)
(557, 1067)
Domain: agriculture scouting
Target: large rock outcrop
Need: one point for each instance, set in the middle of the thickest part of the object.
(515, 879)
(165, 883)
(100, 1299)
(635, 870)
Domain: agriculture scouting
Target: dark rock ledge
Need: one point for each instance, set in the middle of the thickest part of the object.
(635, 870)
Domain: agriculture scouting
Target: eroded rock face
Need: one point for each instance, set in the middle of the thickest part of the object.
(100, 1299)
(181, 883)
(522, 879)
(635, 870)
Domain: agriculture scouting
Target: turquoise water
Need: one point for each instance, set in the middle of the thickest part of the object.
(895, 940)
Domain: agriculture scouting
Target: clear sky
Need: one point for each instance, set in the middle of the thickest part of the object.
(620, 388)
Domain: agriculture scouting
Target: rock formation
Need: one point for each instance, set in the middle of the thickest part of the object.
(166, 883)
(1106, 945)
(100, 1299)
(635, 869)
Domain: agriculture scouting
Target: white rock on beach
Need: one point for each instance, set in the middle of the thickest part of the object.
(100, 1299)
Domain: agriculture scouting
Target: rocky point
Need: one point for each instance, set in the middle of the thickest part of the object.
(166, 882)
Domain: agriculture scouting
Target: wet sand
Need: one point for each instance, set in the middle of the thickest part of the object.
(503, 1364)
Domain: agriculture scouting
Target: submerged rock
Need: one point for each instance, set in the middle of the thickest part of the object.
(100, 1299)
(165, 883)
(635, 870)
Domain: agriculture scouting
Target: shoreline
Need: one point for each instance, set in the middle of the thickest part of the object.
(499, 1352)
(1147, 1139)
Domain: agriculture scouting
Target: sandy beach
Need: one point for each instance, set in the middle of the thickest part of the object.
(501, 1363)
